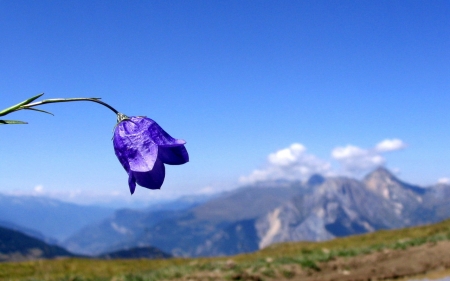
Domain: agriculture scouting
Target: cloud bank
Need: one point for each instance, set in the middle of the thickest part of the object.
(443, 181)
(295, 163)
(292, 163)
(355, 160)
(107, 197)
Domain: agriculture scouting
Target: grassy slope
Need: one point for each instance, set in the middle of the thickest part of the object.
(304, 254)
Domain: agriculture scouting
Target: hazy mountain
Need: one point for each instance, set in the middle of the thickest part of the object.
(181, 232)
(184, 202)
(30, 232)
(54, 219)
(254, 217)
(16, 246)
(118, 231)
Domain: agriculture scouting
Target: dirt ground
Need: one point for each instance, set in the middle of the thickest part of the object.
(414, 262)
(386, 265)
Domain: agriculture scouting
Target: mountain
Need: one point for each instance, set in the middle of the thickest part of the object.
(16, 246)
(117, 232)
(183, 232)
(253, 217)
(343, 206)
(137, 253)
(52, 218)
(123, 226)
(30, 232)
(184, 202)
(338, 207)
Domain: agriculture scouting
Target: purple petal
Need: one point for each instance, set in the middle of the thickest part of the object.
(131, 183)
(132, 141)
(161, 138)
(120, 155)
(152, 179)
(173, 155)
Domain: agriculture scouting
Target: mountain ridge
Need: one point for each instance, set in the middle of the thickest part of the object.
(17, 246)
(52, 218)
(253, 217)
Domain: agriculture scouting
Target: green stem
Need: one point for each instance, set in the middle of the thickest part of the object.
(97, 100)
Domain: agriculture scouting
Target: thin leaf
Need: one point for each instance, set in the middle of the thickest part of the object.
(5, 122)
(59, 100)
(40, 110)
(16, 107)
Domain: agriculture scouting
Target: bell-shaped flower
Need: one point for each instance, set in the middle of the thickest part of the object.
(143, 148)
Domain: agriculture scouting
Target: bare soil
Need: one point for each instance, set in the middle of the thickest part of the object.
(384, 265)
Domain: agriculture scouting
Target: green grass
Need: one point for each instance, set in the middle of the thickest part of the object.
(269, 263)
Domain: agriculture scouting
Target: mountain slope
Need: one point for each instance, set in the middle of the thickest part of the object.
(343, 206)
(116, 232)
(16, 246)
(54, 219)
(30, 232)
(338, 207)
(183, 232)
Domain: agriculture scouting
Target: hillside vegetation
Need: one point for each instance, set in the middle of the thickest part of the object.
(276, 262)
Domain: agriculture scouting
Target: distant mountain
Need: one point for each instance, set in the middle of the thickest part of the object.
(117, 232)
(182, 203)
(137, 253)
(30, 232)
(54, 219)
(343, 206)
(251, 218)
(185, 232)
(16, 246)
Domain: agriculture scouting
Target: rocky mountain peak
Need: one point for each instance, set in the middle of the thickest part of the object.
(381, 181)
(381, 172)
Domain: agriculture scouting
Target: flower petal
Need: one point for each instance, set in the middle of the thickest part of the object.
(131, 183)
(161, 138)
(173, 155)
(152, 179)
(133, 142)
(119, 149)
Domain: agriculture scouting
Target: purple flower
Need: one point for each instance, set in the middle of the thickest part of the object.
(143, 148)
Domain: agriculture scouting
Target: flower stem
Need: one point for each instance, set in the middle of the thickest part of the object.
(97, 100)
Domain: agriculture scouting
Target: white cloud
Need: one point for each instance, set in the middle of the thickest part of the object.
(390, 145)
(292, 163)
(443, 181)
(39, 188)
(207, 190)
(287, 156)
(355, 160)
(295, 163)
(350, 151)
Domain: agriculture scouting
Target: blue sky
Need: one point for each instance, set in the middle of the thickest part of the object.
(272, 87)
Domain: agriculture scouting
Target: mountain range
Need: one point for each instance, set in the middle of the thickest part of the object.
(243, 220)
(47, 219)
(30, 226)
(17, 246)
(253, 217)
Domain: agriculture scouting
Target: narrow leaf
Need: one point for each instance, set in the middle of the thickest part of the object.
(5, 122)
(40, 110)
(15, 107)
